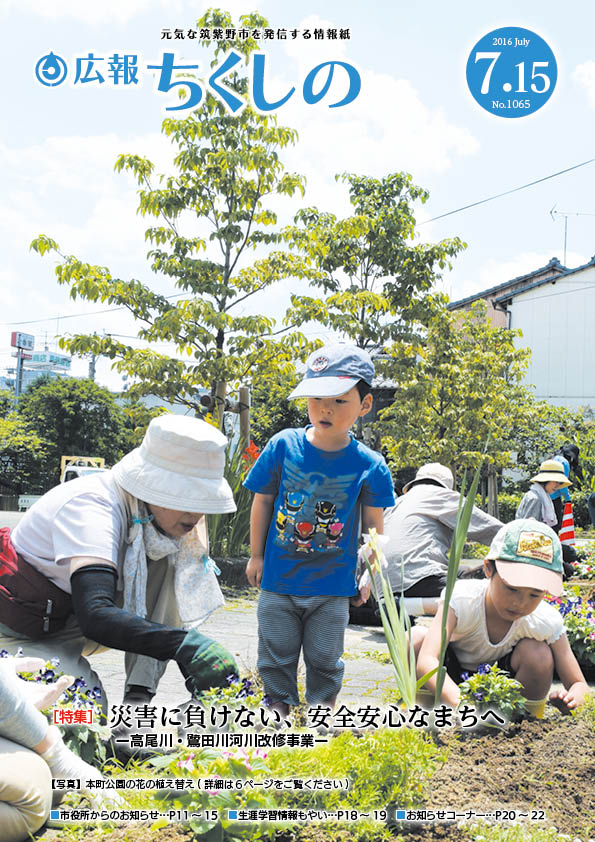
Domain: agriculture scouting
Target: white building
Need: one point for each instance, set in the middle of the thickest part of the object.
(554, 308)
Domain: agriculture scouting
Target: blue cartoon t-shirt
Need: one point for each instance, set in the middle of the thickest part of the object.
(311, 546)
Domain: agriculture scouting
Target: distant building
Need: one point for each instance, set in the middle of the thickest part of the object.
(46, 362)
(554, 308)
(496, 312)
(28, 377)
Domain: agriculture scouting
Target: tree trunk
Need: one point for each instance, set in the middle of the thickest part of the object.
(219, 408)
(244, 407)
(493, 508)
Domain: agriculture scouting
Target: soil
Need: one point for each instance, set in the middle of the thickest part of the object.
(544, 765)
(547, 765)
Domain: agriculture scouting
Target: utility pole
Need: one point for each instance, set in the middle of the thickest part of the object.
(23, 342)
(18, 381)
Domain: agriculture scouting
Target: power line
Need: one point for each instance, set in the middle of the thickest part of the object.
(506, 192)
(419, 224)
(80, 315)
(60, 318)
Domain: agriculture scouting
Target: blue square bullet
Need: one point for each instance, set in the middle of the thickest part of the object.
(232, 814)
(54, 814)
(401, 814)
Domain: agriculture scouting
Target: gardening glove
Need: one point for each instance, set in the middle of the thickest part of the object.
(204, 663)
(64, 763)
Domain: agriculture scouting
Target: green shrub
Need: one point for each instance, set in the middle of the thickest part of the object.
(579, 508)
(508, 503)
(587, 711)
(229, 534)
(474, 550)
(385, 766)
(208, 807)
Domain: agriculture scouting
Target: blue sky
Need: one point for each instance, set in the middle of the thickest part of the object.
(414, 113)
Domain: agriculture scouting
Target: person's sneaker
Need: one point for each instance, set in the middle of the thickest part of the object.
(137, 695)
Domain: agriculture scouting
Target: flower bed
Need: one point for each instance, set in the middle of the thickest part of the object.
(579, 620)
(584, 567)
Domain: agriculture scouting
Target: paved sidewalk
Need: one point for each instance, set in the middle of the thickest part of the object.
(235, 626)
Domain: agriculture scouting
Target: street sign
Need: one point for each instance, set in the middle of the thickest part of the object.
(50, 358)
(22, 340)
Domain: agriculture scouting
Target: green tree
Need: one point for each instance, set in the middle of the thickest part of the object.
(458, 387)
(137, 417)
(210, 215)
(22, 454)
(375, 280)
(270, 409)
(74, 417)
(6, 402)
(539, 434)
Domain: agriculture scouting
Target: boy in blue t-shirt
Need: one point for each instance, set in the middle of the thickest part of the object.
(311, 487)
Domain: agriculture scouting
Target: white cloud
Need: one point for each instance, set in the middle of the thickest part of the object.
(388, 128)
(66, 187)
(118, 11)
(79, 162)
(234, 7)
(584, 76)
(307, 51)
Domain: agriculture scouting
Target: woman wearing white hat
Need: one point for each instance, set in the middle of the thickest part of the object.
(120, 559)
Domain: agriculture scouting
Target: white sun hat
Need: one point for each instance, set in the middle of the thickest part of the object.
(433, 471)
(178, 466)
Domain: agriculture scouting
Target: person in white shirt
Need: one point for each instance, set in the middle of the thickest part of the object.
(420, 528)
(125, 555)
(503, 619)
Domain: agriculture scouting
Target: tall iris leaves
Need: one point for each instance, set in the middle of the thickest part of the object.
(454, 560)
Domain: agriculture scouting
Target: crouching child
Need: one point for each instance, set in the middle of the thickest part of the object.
(504, 620)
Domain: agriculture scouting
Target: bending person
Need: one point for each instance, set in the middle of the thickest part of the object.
(420, 528)
(539, 503)
(124, 556)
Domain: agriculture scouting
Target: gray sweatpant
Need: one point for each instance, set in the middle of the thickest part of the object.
(314, 624)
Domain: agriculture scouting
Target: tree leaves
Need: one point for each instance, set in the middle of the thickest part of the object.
(458, 386)
(375, 282)
(211, 213)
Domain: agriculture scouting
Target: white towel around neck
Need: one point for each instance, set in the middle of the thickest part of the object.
(197, 590)
(548, 513)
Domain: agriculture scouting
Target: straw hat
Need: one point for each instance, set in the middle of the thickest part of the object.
(549, 471)
(179, 466)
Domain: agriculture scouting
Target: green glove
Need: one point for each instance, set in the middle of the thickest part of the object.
(204, 663)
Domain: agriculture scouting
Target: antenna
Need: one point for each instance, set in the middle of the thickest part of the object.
(554, 213)
(566, 214)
